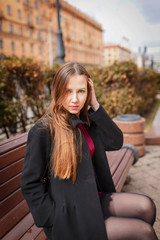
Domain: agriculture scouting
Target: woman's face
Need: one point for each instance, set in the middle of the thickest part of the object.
(76, 94)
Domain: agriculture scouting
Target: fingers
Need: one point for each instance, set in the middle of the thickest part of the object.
(90, 82)
(93, 102)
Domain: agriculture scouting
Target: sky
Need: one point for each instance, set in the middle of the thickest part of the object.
(136, 20)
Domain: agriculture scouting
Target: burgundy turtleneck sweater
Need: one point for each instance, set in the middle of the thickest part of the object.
(88, 140)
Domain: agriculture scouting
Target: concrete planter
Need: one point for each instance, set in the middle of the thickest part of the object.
(132, 126)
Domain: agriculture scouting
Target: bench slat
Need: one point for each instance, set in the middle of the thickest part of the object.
(13, 217)
(11, 170)
(41, 236)
(13, 142)
(122, 170)
(12, 156)
(32, 233)
(123, 178)
(20, 229)
(118, 162)
(115, 157)
(9, 186)
(10, 202)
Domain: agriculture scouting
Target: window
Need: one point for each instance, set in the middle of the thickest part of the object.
(22, 47)
(36, 4)
(27, 2)
(21, 31)
(44, 12)
(45, 26)
(40, 50)
(9, 10)
(28, 18)
(13, 46)
(30, 32)
(19, 13)
(0, 25)
(1, 43)
(31, 48)
(11, 28)
(38, 35)
(37, 20)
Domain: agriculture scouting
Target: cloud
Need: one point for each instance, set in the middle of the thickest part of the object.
(149, 9)
(133, 19)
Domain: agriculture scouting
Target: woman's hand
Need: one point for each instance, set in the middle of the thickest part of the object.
(94, 103)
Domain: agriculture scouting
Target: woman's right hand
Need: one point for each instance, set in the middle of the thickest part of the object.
(93, 103)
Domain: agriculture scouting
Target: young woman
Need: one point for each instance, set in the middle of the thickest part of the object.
(71, 141)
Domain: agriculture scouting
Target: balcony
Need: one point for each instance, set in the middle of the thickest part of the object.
(1, 15)
(30, 24)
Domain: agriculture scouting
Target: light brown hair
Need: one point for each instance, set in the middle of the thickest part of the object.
(64, 158)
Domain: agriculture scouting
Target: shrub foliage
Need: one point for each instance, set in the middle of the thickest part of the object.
(121, 88)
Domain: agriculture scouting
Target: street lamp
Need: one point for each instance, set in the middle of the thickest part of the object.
(60, 52)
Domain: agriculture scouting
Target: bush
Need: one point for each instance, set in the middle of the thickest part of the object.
(121, 88)
(10, 103)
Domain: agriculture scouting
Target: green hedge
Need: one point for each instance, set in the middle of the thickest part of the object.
(121, 88)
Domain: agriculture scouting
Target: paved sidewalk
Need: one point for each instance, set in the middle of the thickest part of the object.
(145, 178)
(153, 136)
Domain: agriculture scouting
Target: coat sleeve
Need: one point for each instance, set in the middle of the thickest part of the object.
(37, 154)
(108, 131)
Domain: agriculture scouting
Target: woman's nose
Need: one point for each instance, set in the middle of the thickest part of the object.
(74, 97)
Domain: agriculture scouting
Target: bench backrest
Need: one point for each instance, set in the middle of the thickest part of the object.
(14, 213)
(13, 208)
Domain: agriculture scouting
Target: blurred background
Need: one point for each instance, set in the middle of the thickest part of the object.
(117, 41)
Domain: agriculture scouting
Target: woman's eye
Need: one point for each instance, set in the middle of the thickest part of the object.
(68, 91)
(81, 91)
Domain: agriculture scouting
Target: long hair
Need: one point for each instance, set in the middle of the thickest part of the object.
(65, 155)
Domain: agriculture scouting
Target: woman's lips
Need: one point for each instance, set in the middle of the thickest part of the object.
(73, 107)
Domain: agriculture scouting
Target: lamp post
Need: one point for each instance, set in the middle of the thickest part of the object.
(60, 52)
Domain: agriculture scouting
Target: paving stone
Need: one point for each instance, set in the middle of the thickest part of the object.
(145, 179)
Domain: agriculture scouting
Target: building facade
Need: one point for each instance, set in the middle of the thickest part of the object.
(28, 30)
(137, 58)
(153, 57)
(115, 53)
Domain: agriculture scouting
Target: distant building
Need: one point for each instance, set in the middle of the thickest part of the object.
(137, 59)
(125, 43)
(153, 56)
(82, 36)
(115, 53)
(24, 28)
(28, 29)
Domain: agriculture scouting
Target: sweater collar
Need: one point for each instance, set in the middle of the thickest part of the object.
(74, 120)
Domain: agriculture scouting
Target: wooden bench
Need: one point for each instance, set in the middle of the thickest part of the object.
(153, 136)
(16, 220)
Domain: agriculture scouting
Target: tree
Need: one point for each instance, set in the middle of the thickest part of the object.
(8, 95)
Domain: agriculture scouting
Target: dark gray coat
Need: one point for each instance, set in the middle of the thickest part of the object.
(65, 210)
